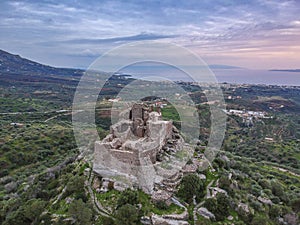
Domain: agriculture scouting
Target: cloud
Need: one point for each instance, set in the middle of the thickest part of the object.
(138, 37)
(77, 28)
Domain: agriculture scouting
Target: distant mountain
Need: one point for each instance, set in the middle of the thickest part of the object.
(15, 64)
(224, 67)
(12, 64)
(285, 70)
(28, 78)
(24, 77)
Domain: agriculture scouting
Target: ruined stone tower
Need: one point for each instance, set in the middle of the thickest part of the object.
(135, 142)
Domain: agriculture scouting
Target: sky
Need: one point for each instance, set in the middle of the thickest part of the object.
(254, 34)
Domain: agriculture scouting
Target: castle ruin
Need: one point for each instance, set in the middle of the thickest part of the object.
(136, 147)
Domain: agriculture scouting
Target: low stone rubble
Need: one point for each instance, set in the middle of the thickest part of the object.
(205, 213)
(159, 220)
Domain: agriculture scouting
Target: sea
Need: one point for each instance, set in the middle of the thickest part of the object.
(221, 75)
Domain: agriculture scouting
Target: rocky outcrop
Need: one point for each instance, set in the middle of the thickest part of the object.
(159, 220)
(245, 208)
(265, 200)
(216, 190)
(205, 213)
(161, 195)
(10, 187)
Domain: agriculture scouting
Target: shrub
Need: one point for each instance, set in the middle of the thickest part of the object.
(79, 211)
(277, 189)
(219, 206)
(107, 221)
(127, 197)
(127, 215)
(260, 220)
(296, 205)
(76, 184)
(274, 212)
(265, 184)
(161, 205)
(191, 185)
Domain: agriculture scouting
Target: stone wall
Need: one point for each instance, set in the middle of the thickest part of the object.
(151, 154)
(130, 157)
(140, 136)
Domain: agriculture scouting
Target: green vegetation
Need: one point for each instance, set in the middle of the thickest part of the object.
(80, 212)
(127, 215)
(127, 197)
(169, 112)
(191, 186)
(219, 206)
(43, 181)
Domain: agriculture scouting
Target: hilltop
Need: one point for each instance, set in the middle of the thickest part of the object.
(10, 64)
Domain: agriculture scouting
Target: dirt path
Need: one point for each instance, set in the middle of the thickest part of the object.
(201, 203)
(286, 171)
(97, 205)
(53, 117)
